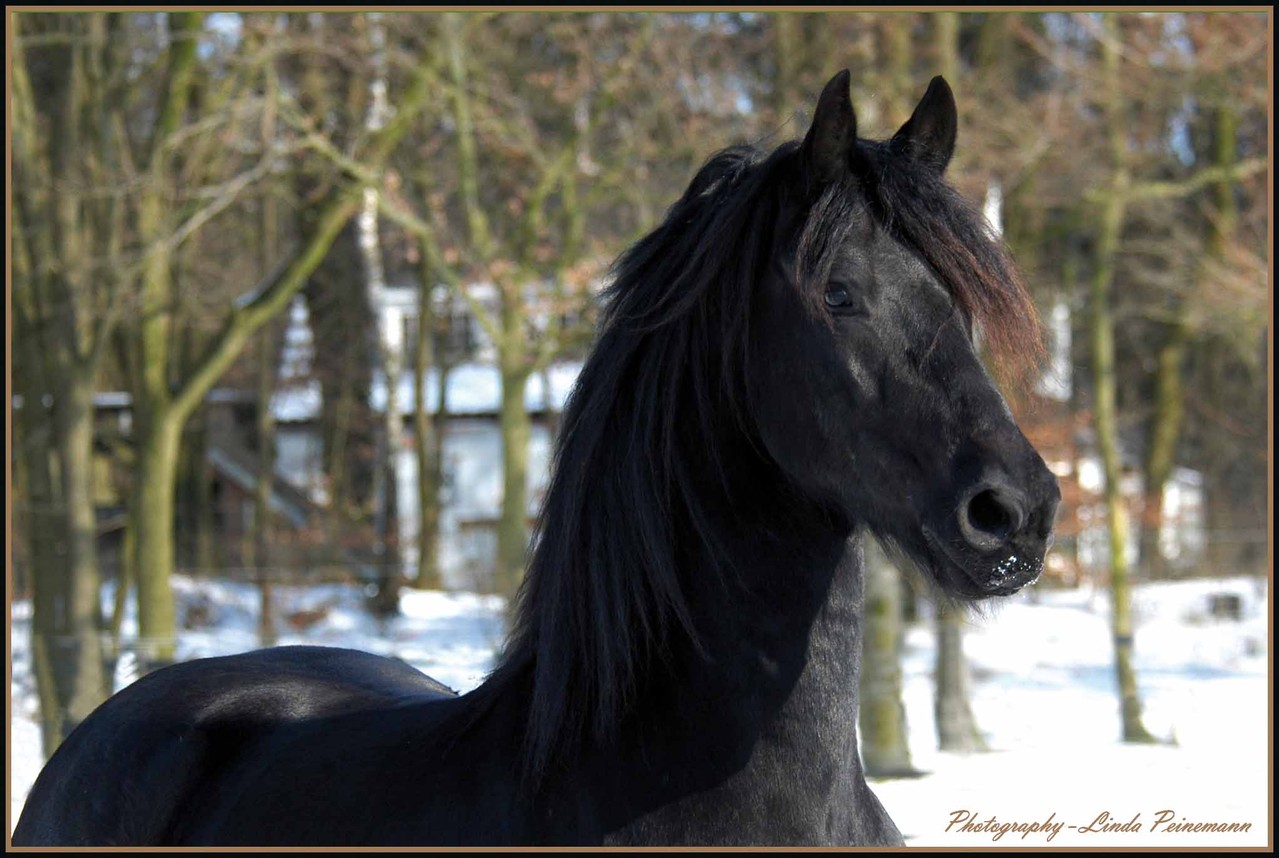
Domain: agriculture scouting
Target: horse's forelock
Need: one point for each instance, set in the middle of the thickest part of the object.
(925, 212)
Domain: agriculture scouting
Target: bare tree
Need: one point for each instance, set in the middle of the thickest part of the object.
(69, 150)
(522, 155)
(163, 403)
(1120, 189)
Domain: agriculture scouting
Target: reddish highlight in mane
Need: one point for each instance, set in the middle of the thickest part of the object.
(954, 238)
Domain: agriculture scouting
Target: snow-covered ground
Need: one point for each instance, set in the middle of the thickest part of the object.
(1043, 694)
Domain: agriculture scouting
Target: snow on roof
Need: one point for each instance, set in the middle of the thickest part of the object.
(297, 403)
(112, 399)
(122, 399)
(473, 388)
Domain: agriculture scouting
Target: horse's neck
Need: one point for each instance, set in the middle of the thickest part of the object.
(760, 743)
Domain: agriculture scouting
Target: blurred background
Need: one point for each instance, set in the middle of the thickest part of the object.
(297, 300)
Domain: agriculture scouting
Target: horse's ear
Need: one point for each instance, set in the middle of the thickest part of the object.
(829, 141)
(929, 135)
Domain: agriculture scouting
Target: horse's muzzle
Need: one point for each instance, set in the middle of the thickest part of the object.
(1006, 529)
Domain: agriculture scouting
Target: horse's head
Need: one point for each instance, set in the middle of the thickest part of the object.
(890, 414)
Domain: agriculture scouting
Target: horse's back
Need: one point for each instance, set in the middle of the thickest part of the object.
(124, 775)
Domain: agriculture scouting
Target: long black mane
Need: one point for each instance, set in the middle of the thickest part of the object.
(604, 593)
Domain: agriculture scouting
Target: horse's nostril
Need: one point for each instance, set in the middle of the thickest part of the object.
(991, 517)
(987, 514)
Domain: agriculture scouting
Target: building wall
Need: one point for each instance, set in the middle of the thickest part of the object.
(299, 458)
(471, 497)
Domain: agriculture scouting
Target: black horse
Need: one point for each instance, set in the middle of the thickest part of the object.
(786, 362)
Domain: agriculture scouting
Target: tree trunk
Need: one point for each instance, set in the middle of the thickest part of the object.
(898, 52)
(80, 665)
(956, 726)
(343, 365)
(1110, 224)
(881, 715)
(207, 550)
(157, 442)
(993, 41)
(385, 601)
(390, 329)
(1161, 444)
(549, 411)
(187, 494)
(44, 559)
(512, 528)
(946, 39)
(66, 616)
(428, 439)
(1170, 394)
(434, 511)
(267, 369)
(788, 49)
(151, 520)
(260, 543)
(56, 231)
(468, 177)
(157, 432)
(1103, 346)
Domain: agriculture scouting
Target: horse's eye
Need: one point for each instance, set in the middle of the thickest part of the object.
(837, 296)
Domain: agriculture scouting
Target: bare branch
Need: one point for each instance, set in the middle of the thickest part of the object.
(184, 29)
(222, 198)
(268, 298)
(1207, 176)
(274, 294)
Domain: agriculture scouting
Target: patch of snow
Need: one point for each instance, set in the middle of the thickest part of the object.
(1043, 693)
